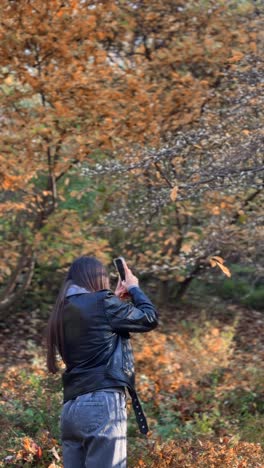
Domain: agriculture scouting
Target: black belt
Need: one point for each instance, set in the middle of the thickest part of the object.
(140, 416)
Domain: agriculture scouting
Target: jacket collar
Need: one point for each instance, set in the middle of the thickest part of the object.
(75, 289)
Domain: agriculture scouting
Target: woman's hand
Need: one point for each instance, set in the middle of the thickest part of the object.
(121, 291)
(131, 280)
(122, 286)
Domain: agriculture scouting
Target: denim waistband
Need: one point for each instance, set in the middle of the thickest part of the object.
(112, 389)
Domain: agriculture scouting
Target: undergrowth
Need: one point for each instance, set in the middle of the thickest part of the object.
(201, 385)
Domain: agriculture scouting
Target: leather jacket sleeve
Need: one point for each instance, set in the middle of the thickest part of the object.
(139, 316)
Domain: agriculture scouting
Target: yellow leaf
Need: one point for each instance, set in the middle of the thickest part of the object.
(9, 80)
(27, 444)
(186, 248)
(224, 269)
(215, 210)
(236, 57)
(218, 259)
(55, 453)
(173, 194)
(91, 20)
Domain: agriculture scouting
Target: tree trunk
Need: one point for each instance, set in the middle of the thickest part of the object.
(187, 282)
(163, 292)
(19, 281)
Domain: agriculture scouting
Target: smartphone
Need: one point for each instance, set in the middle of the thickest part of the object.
(120, 267)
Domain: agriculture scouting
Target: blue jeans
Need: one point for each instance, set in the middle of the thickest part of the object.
(94, 430)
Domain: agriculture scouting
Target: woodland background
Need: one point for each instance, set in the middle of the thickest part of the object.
(136, 128)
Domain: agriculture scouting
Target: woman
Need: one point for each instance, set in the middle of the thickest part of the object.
(89, 327)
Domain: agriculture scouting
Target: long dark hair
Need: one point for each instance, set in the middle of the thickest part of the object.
(87, 272)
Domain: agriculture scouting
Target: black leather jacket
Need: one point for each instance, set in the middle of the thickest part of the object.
(98, 352)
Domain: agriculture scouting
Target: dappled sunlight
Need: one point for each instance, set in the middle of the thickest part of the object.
(167, 361)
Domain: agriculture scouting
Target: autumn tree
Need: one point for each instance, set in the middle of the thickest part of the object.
(200, 193)
(79, 82)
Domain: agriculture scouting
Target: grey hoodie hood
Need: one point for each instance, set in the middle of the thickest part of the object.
(75, 289)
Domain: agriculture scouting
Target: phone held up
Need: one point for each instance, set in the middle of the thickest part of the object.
(118, 262)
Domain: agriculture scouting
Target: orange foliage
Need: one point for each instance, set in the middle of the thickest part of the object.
(77, 82)
(203, 454)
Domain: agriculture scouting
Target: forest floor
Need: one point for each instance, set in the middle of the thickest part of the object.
(200, 376)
